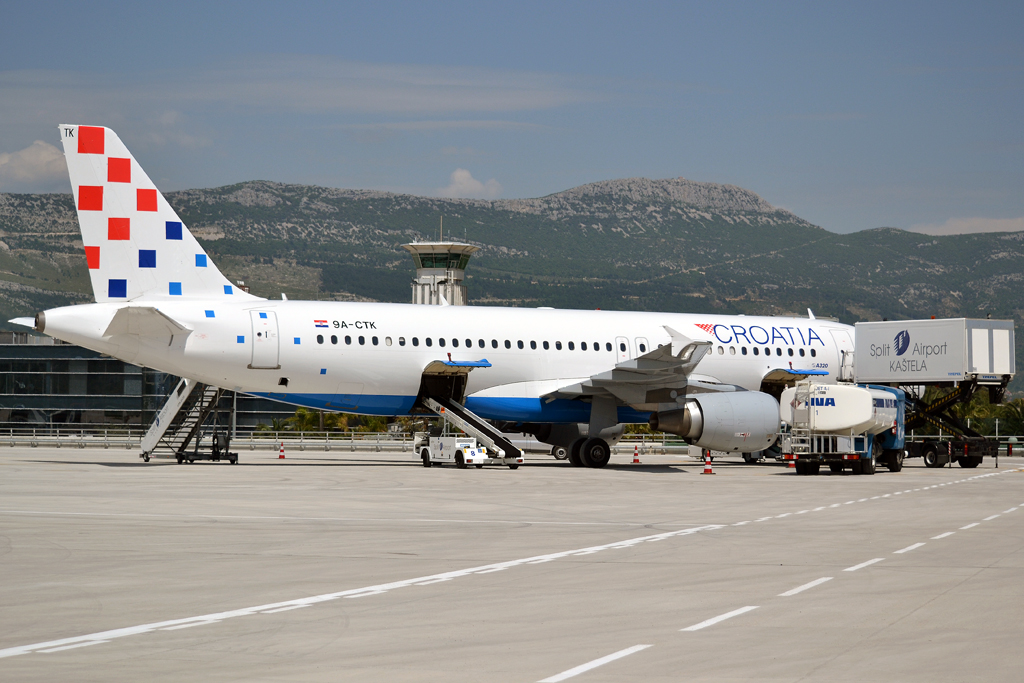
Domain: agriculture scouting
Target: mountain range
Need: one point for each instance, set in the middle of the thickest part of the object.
(672, 245)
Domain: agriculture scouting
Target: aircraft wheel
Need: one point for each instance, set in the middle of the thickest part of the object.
(425, 455)
(595, 453)
(574, 452)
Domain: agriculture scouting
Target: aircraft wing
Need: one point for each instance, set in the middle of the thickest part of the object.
(652, 377)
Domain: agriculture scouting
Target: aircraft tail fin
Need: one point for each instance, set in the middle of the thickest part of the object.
(136, 246)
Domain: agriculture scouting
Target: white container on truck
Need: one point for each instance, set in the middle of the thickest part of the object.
(926, 351)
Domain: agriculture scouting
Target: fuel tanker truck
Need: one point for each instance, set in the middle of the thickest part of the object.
(844, 426)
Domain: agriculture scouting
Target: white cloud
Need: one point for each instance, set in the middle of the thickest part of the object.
(38, 165)
(464, 185)
(962, 226)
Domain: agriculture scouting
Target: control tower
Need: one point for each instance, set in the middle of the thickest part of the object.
(440, 270)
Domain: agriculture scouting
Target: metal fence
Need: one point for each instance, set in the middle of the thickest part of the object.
(130, 437)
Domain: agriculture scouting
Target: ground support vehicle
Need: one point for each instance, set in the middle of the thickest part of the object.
(960, 354)
(961, 444)
(844, 426)
(446, 445)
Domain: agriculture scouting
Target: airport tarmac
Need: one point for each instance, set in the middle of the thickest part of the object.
(338, 567)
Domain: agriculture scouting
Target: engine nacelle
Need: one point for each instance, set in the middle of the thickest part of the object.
(744, 421)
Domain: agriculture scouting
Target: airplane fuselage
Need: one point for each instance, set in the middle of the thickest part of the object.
(368, 358)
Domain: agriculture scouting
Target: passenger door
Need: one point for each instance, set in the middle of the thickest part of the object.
(621, 349)
(844, 345)
(265, 343)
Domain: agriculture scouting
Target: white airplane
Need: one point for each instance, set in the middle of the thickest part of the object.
(572, 378)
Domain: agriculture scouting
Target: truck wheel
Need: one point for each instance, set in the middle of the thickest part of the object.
(894, 459)
(931, 456)
(513, 467)
(813, 468)
(574, 452)
(560, 452)
(802, 467)
(869, 465)
(425, 455)
(969, 461)
(460, 461)
(595, 453)
(836, 468)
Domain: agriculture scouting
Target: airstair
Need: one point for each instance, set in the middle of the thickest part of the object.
(474, 425)
(179, 421)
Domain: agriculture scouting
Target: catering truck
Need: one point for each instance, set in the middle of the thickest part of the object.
(957, 356)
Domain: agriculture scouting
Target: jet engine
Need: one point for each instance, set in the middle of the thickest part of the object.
(744, 421)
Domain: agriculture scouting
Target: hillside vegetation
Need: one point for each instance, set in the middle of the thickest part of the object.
(672, 245)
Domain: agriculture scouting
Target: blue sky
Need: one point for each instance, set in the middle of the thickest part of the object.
(851, 115)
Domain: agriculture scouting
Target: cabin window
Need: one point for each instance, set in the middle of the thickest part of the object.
(519, 343)
(455, 343)
(597, 346)
(362, 341)
(767, 351)
(546, 346)
(401, 341)
(348, 339)
(319, 339)
(732, 350)
(778, 351)
(721, 350)
(813, 353)
(583, 346)
(755, 351)
(558, 346)
(508, 344)
(480, 343)
(790, 351)
(533, 345)
(494, 343)
(622, 347)
(608, 346)
(440, 341)
(643, 348)
(334, 339)
(801, 353)
(469, 343)
(429, 341)
(374, 340)
(415, 341)
(572, 347)
(743, 350)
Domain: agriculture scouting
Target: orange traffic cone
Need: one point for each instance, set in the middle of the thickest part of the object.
(280, 455)
(707, 463)
(636, 454)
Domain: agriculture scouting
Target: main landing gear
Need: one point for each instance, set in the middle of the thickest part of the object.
(590, 453)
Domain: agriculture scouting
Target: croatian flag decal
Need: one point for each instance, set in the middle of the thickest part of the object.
(320, 323)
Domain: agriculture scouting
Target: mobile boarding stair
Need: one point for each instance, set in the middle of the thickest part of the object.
(178, 425)
(500, 450)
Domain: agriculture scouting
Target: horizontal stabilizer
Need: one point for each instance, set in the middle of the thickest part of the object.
(143, 321)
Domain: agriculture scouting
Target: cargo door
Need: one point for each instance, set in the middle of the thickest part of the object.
(621, 349)
(844, 344)
(265, 343)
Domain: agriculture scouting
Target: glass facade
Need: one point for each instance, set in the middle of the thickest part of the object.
(442, 260)
(47, 382)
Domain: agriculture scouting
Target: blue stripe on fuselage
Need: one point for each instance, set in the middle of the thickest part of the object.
(493, 408)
